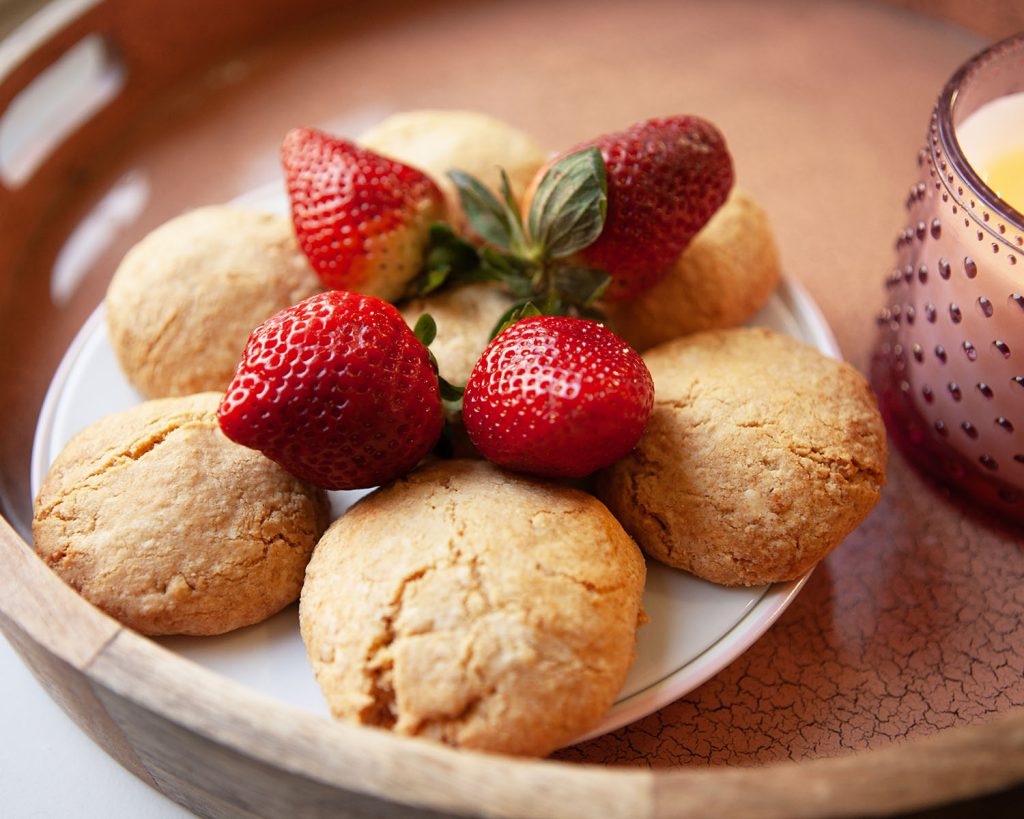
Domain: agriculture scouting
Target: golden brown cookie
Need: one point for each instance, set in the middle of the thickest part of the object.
(722, 279)
(475, 607)
(465, 317)
(183, 301)
(158, 519)
(439, 141)
(761, 456)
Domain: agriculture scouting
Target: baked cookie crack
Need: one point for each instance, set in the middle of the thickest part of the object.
(382, 709)
(579, 581)
(168, 327)
(131, 453)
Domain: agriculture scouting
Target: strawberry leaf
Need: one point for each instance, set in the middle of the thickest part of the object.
(505, 319)
(425, 329)
(431, 280)
(529, 310)
(519, 241)
(448, 260)
(512, 271)
(439, 233)
(519, 310)
(449, 392)
(488, 216)
(446, 250)
(581, 286)
(570, 205)
(506, 192)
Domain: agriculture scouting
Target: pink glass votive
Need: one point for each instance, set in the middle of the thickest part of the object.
(949, 366)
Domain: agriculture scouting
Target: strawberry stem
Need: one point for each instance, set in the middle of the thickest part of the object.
(532, 258)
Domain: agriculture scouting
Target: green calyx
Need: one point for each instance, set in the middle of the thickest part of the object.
(449, 260)
(519, 310)
(425, 331)
(569, 208)
(532, 260)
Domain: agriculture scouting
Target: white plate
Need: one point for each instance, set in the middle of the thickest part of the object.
(696, 628)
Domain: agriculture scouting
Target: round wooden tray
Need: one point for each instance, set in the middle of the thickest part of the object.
(894, 682)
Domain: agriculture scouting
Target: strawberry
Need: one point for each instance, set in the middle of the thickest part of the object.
(337, 390)
(360, 218)
(665, 179)
(557, 396)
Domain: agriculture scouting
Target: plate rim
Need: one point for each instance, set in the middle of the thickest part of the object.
(763, 614)
(714, 658)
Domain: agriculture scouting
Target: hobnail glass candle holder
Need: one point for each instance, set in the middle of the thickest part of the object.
(949, 366)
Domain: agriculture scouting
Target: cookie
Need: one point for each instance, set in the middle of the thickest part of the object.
(465, 317)
(158, 519)
(183, 301)
(761, 456)
(474, 607)
(439, 141)
(722, 279)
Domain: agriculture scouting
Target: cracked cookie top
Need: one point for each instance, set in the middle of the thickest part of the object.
(761, 456)
(183, 301)
(475, 607)
(158, 519)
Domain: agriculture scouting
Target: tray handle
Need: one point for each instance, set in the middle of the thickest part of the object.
(57, 71)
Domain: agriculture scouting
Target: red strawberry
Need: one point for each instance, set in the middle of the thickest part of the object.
(557, 396)
(337, 390)
(362, 219)
(666, 178)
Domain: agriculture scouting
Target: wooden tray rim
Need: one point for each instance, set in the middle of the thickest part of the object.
(102, 674)
(51, 626)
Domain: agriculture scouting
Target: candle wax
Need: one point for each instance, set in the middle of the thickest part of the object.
(1005, 175)
(992, 139)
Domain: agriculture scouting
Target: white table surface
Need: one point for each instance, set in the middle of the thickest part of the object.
(50, 768)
